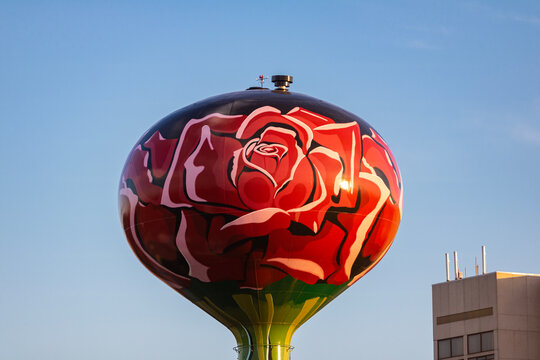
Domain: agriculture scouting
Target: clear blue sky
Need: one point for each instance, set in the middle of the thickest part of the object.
(454, 87)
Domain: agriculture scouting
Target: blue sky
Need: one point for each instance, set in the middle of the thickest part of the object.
(454, 87)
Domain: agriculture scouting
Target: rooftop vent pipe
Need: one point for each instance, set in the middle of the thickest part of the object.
(447, 266)
(456, 266)
(484, 260)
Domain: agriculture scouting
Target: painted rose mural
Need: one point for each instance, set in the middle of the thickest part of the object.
(257, 197)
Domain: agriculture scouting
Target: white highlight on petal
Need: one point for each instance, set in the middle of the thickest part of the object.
(133, 200)
(293, 170)
(369, 167)
(271, 150)
(333, 155)
(292, 133)
(160, 137)
(165, 197)
(303, 126)
(193, 171)
(254, 217)
(145, 163)
(300, 265)
(336, 126)
(326, 151)
(146, 156)
(234, 170)
(279, 130)
(368, 221)
(389, 160)
(251, 144)
(310, 113)
(196, 269)
(313, 204)
(378, 138)
(395, 173)
(246, 122)
(294, 109)
(353, 152)
(401, 202)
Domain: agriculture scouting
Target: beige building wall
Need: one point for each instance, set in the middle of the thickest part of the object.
(506, 303)
(518, 298)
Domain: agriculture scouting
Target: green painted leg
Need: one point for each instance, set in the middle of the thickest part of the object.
(264, 352)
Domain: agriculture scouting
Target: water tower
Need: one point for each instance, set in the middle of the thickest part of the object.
(260, 206)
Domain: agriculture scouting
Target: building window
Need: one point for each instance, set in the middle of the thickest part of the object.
(480, 342)
(487, 341)
(450, 347)
(484, 357)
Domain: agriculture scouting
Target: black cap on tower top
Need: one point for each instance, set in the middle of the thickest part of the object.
(282, 82)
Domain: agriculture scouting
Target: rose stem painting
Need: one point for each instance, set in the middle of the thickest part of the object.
(260, 206)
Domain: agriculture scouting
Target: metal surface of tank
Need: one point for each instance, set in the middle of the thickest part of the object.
(260, 207)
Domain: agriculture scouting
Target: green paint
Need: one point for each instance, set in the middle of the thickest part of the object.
(262, 321)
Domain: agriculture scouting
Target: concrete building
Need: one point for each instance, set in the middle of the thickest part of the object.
(490, 316)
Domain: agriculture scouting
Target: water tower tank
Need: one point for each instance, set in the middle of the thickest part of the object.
(260, 207)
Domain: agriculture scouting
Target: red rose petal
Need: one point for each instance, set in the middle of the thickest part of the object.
(307, 258)
(309, 118)
(200, 168)
(260, 118)
(129, 204)
(379, 157)
(383, 232)
(379, 140)
(359, 225)
(343, 139)
(298, 190)
(283, 167)
(206, 245)
(257, 275)
(204, 263)
(161, 152)
(265, 161)
(255, 190)
(156, 227)
(137, 171)
(222, 235)
(327, 171)
(211, 181)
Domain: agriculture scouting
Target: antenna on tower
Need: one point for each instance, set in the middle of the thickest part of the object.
(261, 79)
